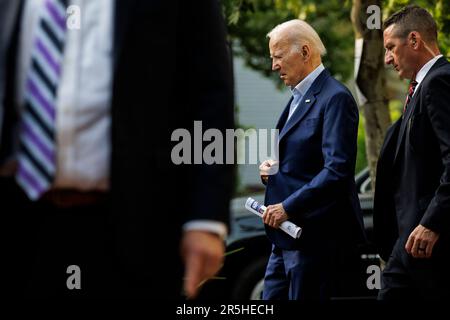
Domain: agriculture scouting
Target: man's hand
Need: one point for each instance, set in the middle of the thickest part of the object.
(203, 254)
(421, 242)
(275, 215)
(267, 168)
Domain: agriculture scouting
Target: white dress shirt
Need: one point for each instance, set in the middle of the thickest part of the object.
(83, 102)
(84, 99)
(424, 70)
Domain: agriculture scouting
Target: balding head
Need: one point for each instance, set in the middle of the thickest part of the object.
(295, 50)
(297, 33)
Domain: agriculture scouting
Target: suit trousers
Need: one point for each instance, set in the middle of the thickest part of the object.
(298, 275)
(407, 278)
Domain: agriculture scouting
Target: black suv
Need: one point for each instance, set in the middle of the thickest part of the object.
(248, 250)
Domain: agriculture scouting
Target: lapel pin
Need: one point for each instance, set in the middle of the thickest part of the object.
(307, 101)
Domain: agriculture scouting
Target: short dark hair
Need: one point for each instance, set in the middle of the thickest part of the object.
(413, 18)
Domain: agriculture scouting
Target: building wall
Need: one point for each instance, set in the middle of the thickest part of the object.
(260, 104)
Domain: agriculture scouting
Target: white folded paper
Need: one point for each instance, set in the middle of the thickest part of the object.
(290, 228)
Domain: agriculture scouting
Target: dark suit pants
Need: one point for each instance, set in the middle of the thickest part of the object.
(408, 278)
(298, 275)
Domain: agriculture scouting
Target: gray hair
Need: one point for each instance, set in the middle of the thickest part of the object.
(299, 33)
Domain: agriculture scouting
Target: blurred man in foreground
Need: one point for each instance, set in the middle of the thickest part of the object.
(85, 150)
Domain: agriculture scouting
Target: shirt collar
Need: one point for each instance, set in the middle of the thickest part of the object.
(305, 84)
(424, 70)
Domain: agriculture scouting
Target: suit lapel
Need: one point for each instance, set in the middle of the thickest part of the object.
(282, 120)
(410, 110)
(306, 104)
(10, 21)
(302, 109)
(407, 117)
(9, 12)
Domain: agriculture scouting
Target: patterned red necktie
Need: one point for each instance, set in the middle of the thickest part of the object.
(411, 88)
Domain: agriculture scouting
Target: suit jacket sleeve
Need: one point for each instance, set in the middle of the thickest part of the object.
(437, 99)
(339, 142)
(211, 94)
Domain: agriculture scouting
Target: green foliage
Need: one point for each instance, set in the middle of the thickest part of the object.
(442, 15)
(395, 109)
(250, 21)
(440, 9)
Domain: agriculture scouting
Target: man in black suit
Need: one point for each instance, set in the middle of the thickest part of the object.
(116, 206)
(412, 196)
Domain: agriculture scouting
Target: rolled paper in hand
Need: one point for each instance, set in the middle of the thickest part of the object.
(290, 228)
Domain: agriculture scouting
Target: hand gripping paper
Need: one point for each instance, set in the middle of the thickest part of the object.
(291, 229)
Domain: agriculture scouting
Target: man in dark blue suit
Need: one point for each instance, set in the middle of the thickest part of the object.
(313, 185)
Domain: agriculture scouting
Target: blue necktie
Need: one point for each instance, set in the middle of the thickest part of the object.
(37, 148)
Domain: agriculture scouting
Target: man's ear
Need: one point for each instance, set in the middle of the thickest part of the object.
(414, 39)
(305, 52)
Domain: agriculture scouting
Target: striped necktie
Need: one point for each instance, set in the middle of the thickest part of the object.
(37, 148)
(411, 88)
